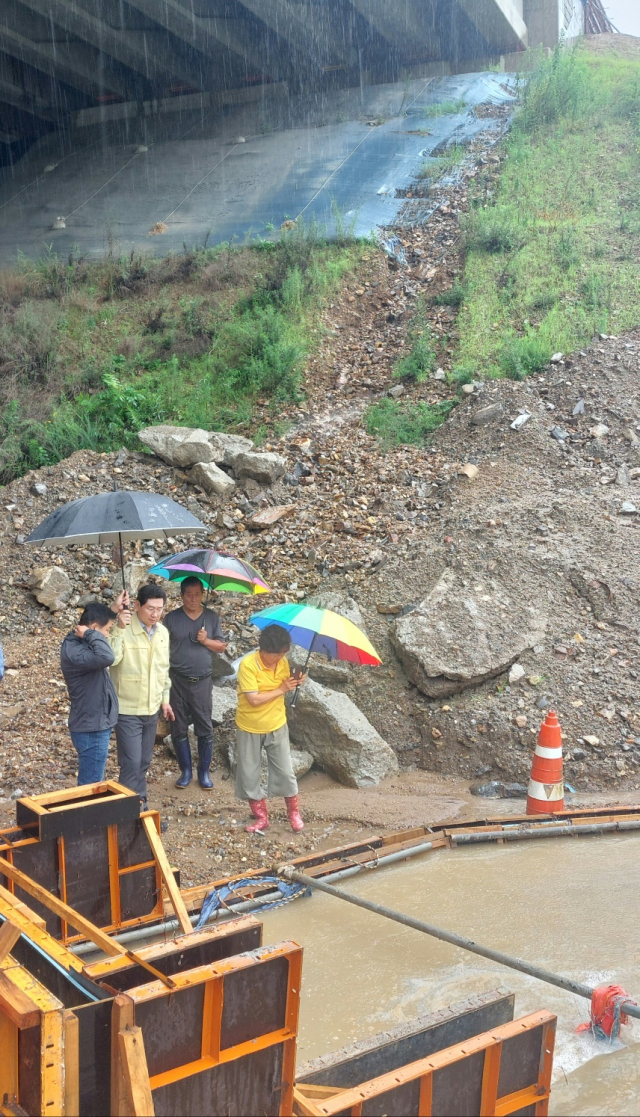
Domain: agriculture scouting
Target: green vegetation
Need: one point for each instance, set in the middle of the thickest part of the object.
(438, 165)
(421, 358)
(444, 108)
(553, 259)
(90, 353)
(398, 424)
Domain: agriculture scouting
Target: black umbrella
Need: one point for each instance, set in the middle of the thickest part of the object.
(118, 515)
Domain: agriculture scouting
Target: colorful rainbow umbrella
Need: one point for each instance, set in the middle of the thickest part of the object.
(215, 569)
(320, 630)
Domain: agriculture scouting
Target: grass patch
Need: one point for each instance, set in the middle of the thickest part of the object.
(421, 358)
(400, 424)
(444, 108)
(553, 258)
(91, 353)
(438, 165)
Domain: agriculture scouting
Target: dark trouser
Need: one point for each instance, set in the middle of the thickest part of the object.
(135, 738)
(191, 703)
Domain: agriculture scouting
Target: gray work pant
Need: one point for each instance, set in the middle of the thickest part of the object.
(135, 738)
(249, 746)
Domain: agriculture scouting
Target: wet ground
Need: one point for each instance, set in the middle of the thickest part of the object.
(562, 903)
(345, 158)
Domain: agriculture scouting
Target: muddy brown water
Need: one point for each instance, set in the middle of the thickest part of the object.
(570, 905)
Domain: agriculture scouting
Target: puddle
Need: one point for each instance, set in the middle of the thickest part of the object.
(568, 905)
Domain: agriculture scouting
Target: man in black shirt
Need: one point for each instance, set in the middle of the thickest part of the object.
(194, 634)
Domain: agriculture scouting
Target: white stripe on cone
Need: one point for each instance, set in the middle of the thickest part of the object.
(549, 754)
(545, 792)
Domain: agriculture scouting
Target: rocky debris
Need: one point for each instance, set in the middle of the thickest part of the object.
(459, 636)
(50, 586)
(212, 479)
(226, 447)
(263, 467)
(329, 674)
(269, 516)
(488, 414)
(179, 446)
(135, 575)
(330, 726)
(38, 488)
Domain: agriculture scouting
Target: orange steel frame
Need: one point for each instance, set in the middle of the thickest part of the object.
(212, 976)
(536, 1094)
(115, 874)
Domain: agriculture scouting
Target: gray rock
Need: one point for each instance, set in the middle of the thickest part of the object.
(50, 586)
(265, 468)
(487, 414)
(329, 674)
(225, 702)
(396, 391)
(461, 635)
(559, 434)
(38, 488)
(338, 603)
(515, 791)
(627, 508)
(135, 575)
(492, 790)
(121, 456)
(212, 479)
(226, 447)
(623, 476)
(330, 726)
(181, 446)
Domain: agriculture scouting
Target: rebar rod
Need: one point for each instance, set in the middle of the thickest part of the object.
(498, 956)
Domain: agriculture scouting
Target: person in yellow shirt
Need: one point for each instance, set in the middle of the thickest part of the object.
(264, 678)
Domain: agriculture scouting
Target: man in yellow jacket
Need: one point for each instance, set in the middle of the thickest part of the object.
(140, 673)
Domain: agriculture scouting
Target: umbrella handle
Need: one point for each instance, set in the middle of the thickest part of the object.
(304, 670)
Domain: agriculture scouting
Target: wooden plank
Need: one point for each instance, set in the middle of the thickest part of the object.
(21, 907)
(52, 1066)
(9, 1057)
(546, 1068)
(520, 1099)
(135, 1072)
(167, 875)
(69, 915)
(304, 1106)
(425, 1101)
(122, 1016)
(71, 1027)
(35, 930)
(490, 1076)
(16, 1004)
(9, 935)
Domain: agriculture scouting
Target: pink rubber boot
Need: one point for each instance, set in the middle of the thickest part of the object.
(293, 812)
(259, 811)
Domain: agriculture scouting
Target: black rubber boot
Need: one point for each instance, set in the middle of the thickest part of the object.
(205, 752)
(182, 750)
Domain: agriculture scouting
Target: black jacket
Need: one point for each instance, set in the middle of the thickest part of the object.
(84, 662)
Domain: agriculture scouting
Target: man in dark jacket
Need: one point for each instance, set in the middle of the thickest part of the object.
(85, 657)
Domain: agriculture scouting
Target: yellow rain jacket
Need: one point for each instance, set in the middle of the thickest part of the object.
(140, 670)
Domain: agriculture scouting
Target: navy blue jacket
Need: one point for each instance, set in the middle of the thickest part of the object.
(85, 662)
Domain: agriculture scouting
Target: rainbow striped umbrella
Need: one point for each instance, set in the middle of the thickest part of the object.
(215, 569)
(320, 630)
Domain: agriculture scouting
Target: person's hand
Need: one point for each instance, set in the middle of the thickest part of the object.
(167, 712)
(121, 602)
(202, 636)
(124, 618)
(80, 630)
(288, 685)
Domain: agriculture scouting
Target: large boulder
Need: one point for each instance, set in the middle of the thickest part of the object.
(463, 633)
(265, 468)
(226, 447)
(224, 704)
(212, 479)
(180, 446)
(338, 603)
(51, 587)
(330, 726)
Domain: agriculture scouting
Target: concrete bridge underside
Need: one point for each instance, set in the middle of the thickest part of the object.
(60, 58)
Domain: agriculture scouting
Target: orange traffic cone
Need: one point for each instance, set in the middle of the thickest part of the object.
(546, 787)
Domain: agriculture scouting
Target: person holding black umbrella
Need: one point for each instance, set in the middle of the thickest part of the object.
(195, 633)
(140, 674)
